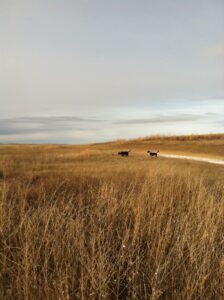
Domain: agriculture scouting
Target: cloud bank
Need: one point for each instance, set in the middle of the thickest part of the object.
(102, 70)
(76, 129)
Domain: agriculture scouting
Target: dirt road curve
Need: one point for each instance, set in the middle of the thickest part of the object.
(197, 158)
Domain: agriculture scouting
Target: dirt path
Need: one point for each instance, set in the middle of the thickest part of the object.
(197, 158)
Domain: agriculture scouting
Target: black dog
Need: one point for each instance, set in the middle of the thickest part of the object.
(123, 153)
(153, 153)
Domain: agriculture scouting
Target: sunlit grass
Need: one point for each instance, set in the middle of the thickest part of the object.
(79, 222)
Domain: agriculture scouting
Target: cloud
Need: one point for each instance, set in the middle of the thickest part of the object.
(219, 123)
(214, 51)
(78, 129)
(29, 125)
(164, 119)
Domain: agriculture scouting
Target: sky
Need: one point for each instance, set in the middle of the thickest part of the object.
(84, 71)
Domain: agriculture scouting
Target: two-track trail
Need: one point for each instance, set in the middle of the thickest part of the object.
(197, 158)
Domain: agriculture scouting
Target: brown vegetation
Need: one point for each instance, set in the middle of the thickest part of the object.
(81, 223)
(192, 137)
(210, 145)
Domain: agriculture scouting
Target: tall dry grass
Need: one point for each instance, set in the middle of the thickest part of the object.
(209, 145)
(105, 227)
(191, 137)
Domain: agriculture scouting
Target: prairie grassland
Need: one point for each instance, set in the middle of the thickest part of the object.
(210, 145)
(78, 222)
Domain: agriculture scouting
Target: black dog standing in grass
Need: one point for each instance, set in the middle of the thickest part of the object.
(151, 153)
(123, 153)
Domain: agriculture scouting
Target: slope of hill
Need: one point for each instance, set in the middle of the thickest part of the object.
(211, 145)
(77, 222)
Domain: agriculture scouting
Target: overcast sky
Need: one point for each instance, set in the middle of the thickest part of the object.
(78, 71)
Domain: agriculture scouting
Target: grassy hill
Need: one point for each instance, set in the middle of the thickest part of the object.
(211, 145)
(78, 222)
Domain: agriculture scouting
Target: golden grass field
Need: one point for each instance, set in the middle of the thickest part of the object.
(80, 222)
